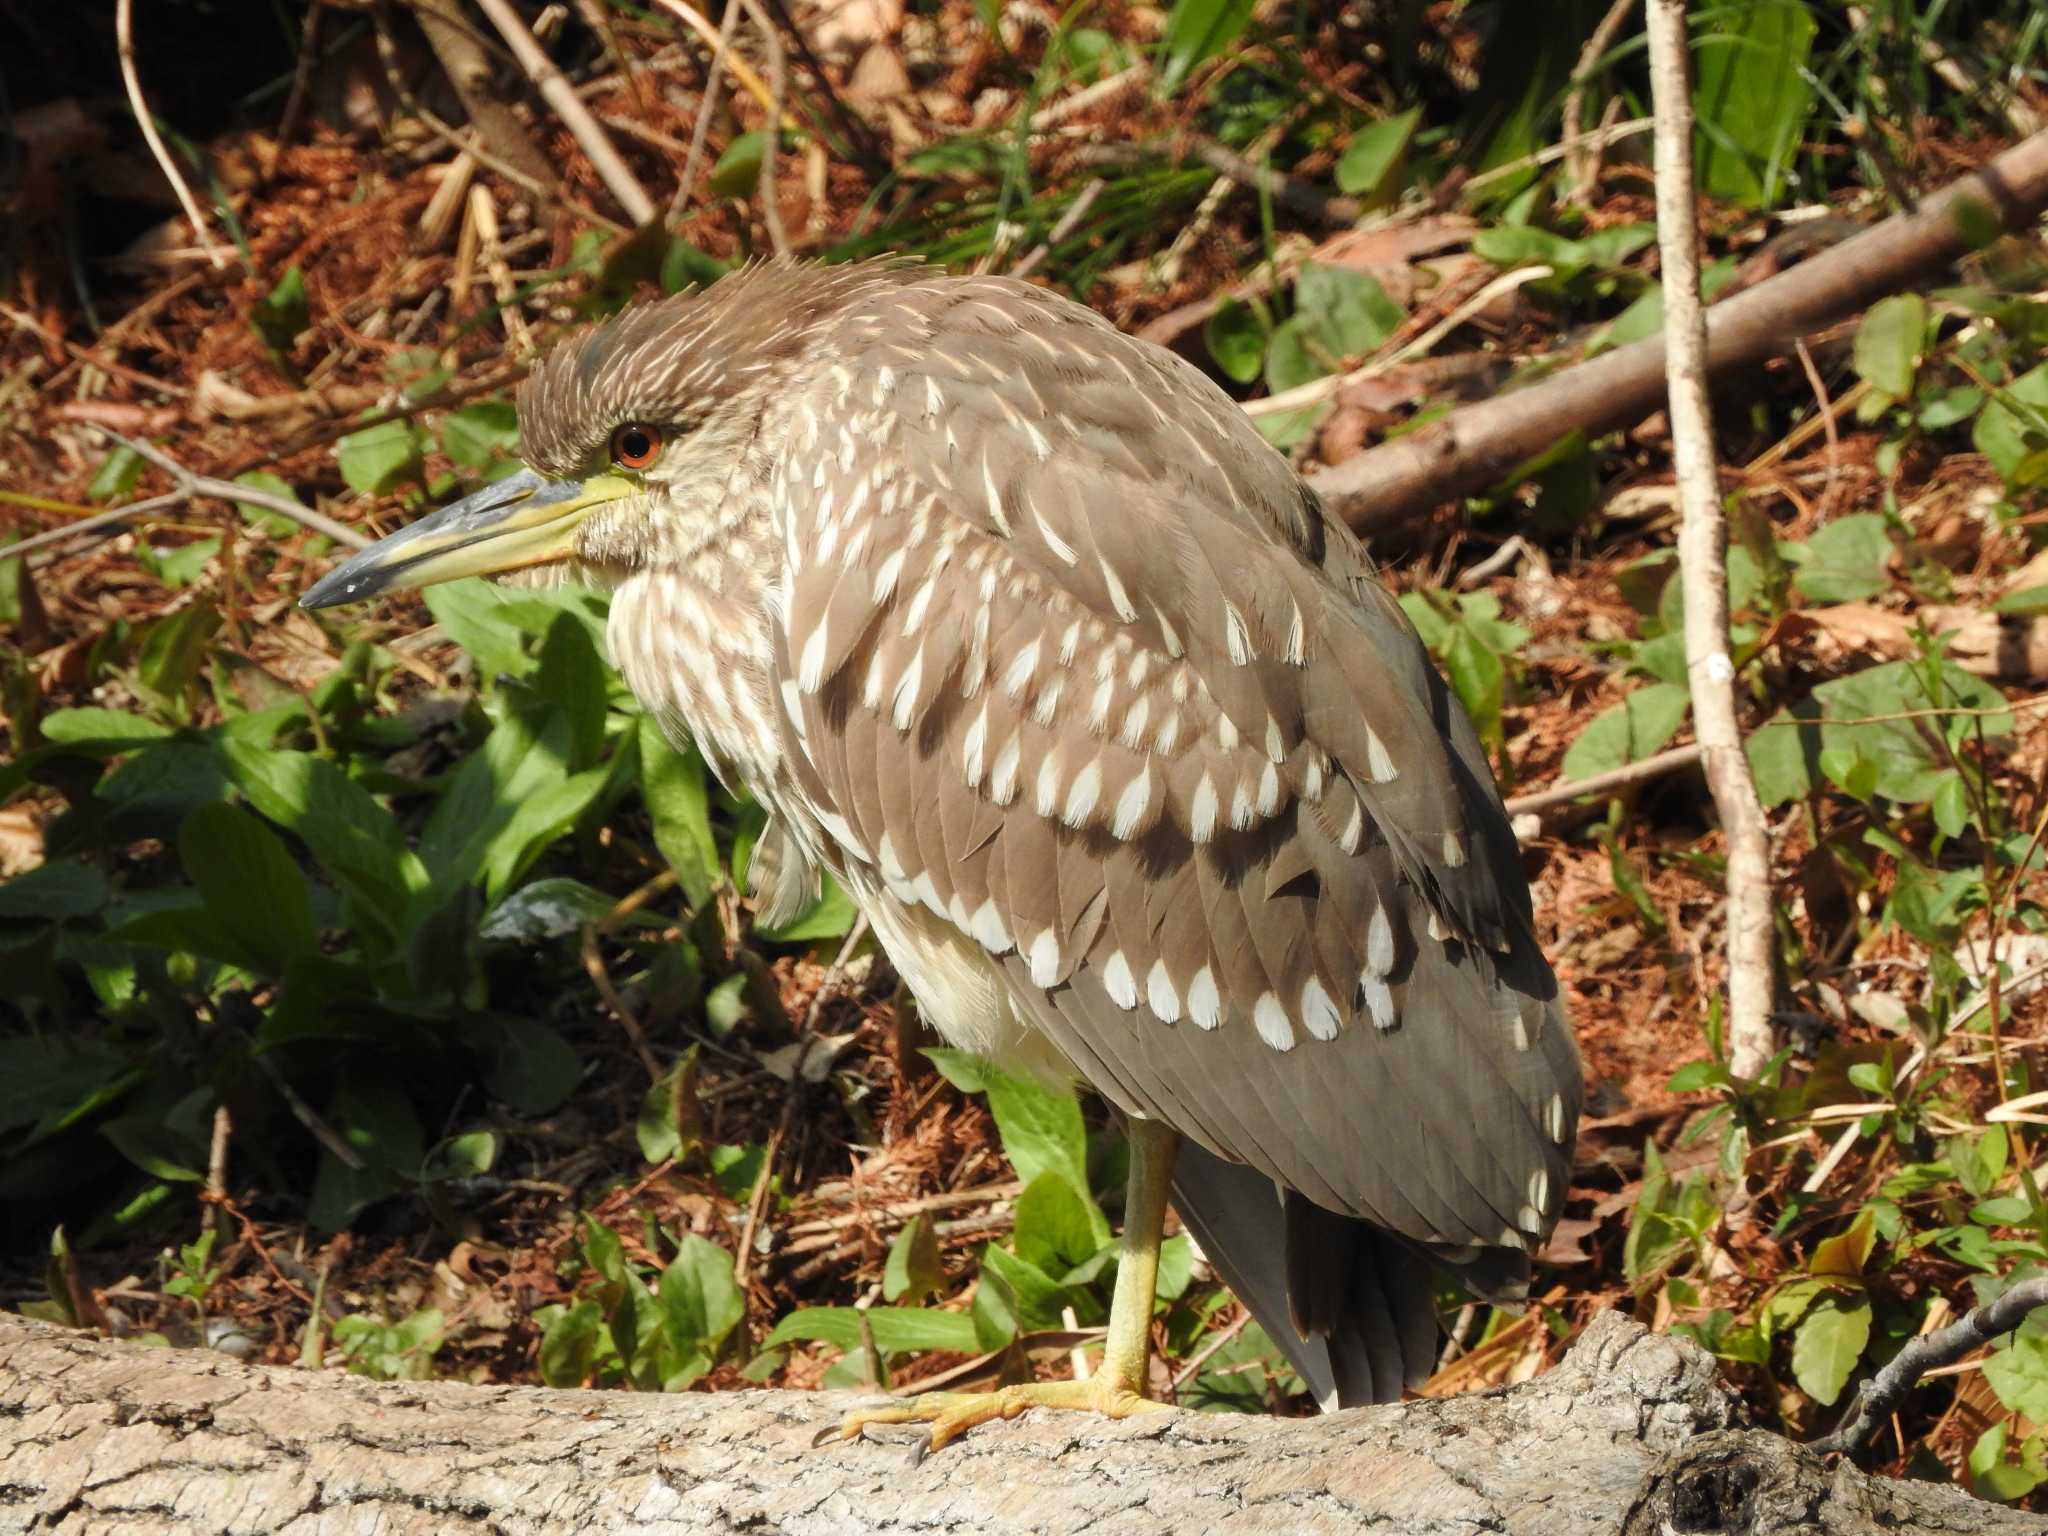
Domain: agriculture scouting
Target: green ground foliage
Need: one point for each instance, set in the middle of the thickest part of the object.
(450, 932)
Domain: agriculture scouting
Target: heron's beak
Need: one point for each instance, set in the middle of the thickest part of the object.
(520, 521)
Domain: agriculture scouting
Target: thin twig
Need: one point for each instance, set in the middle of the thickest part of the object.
(1883, 1393)
(1654, 766)
(720, 38)
(1076, 211)
(1827, 423)
(771, 133)
(1582, 160)
(1703, 555)
(124, 40)
(193, 485)
(559, 94)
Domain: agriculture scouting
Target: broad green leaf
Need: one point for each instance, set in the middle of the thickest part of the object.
(699, 1299)
(156, 1149)
(572, 1341)
(1994, 1477)
(573, 678)
(50, 893)
(276, 524)
(546, 909)
(1347, 312)
(532, 1067)
(1847, 561)
(250, 882)
(2013, 428)
(1845, 1254)
(1374, 151)
(481, 433)
(1830, 1341)
(178, 567)
(116, 475)
(1054, 1227)
(1909, 768)
(1628, 732)
(914, 1269)
(377, 459)
(738, 171)
(1236, 339)
(1951, 806)
(2028, 601)
(1197, 31)
(896, 1330)
(1750, 97)
(672, 782)
(355, 840)
(831, 916)
(1040, 1127)
(1889, 341)
(670, 1120)
(1289, 361)
(2018, 1372)
(113, 727)
(1037, 1299)
(173, 651)
(378, 1123)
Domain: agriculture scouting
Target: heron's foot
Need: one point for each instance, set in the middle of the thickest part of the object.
(952, 1414)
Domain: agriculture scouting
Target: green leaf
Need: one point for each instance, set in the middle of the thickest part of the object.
(173, 651)
(1289, 363)
(282, 313)
(1040, 1127)
(573, 678)
(1197, 31)
(50, 893)
(2027, 601)
(1750, 97)
(1347, 312)
(1844, 1255)
(2018, 1372)
(116, 475)
(673, 784)
(738, 171)
(699, 1299)
(897, 1330)
(1889, 341)
(571, 1343)
(914, 1269)
(1830, 1341)
(2011, 430)
(1994, 1477)
(250, 883)
(276, 524)
(1628, 732)
(1374, 151)
(1236, 339)
(669, 1122)
(377, 459)
(355, 841)
(178, 567)
(156, 1149)
(1951, 806)
(1909, 767)
(546, 909)
(481, 434)
(1053, 1225)
(1036, 1299)
(1847, 561)
(831, 916)
(112, 727)
(532, 1067)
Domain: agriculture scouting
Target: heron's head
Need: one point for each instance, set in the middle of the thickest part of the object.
(636, 437)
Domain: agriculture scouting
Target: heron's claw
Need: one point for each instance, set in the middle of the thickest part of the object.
(952, 1414)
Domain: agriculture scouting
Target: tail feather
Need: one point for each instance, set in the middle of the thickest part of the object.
(1351, 1305)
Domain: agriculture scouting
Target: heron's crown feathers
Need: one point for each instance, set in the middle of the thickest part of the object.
(676, 360)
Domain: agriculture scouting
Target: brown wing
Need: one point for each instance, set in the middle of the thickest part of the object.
(1084, 673)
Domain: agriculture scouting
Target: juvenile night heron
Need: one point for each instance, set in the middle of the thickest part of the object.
(1018, 627)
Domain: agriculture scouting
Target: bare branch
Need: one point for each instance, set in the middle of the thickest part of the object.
(124, 37)
(1703, 556)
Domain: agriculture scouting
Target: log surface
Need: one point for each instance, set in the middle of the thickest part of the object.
(1631, 1434)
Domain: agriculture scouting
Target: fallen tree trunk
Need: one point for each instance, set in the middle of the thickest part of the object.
(1631, 1434)
(1476, 447)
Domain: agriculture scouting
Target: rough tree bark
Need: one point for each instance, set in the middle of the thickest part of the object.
(1630, 1435)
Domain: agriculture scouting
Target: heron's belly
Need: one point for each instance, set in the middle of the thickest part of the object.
(959, 989)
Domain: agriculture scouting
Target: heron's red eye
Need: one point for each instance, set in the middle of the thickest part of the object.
(635, 446)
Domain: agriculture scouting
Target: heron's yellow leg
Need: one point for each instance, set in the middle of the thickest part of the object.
(1117, 1388)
